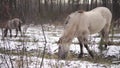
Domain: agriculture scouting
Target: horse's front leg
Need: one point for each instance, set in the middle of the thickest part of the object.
(86, 46)
(5, 32)
(20, 30)
(81, 48)
(89, 51)
(16, 32)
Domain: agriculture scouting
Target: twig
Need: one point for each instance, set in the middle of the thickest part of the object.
(4, 58)
(44, 46)
(10, 52)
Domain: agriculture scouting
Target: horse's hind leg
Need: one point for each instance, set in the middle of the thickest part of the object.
(104, 38)
(81, 48)
(10, 32)
(104, 35)
(20, 30)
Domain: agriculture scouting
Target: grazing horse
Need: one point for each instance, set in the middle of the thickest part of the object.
(13, 24)
(81, 24)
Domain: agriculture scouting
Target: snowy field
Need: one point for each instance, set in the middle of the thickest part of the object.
(33, 44)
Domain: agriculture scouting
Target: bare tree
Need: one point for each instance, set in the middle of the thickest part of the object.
(116, 10)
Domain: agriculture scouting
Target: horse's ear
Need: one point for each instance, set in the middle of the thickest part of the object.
(80, 11)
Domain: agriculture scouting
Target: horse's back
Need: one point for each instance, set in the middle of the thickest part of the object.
(18, 20)
(13, 23)
(98, 19)
(105, 12)
(89, 21)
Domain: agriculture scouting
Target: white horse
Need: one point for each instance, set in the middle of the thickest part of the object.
(14, 23)
(81, 24)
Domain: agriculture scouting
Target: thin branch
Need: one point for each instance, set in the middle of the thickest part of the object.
(44, 46)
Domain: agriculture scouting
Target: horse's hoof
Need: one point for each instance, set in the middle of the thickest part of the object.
(92, 57)
(106, 46)
(15, 36)
(91, 54)
(80, 56)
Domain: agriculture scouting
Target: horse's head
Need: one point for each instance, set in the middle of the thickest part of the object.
(63, 48)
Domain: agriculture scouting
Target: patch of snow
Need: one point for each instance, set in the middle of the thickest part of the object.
(35, 41)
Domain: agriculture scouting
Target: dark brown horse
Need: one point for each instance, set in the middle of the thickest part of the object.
(13, 24)
(6, 25)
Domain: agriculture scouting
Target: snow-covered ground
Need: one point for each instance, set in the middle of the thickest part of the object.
(34, 42)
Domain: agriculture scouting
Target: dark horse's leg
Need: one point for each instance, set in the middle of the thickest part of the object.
(104, 38)
(19, 27)
(89, 51)
(81, 49)
(86, 46)
(10, 32)
(16, 32)
(105, 35)
(5, 32)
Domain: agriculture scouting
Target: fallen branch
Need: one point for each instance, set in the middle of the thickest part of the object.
(116, 62)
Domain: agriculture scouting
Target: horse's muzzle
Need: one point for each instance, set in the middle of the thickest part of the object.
(62, 54)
